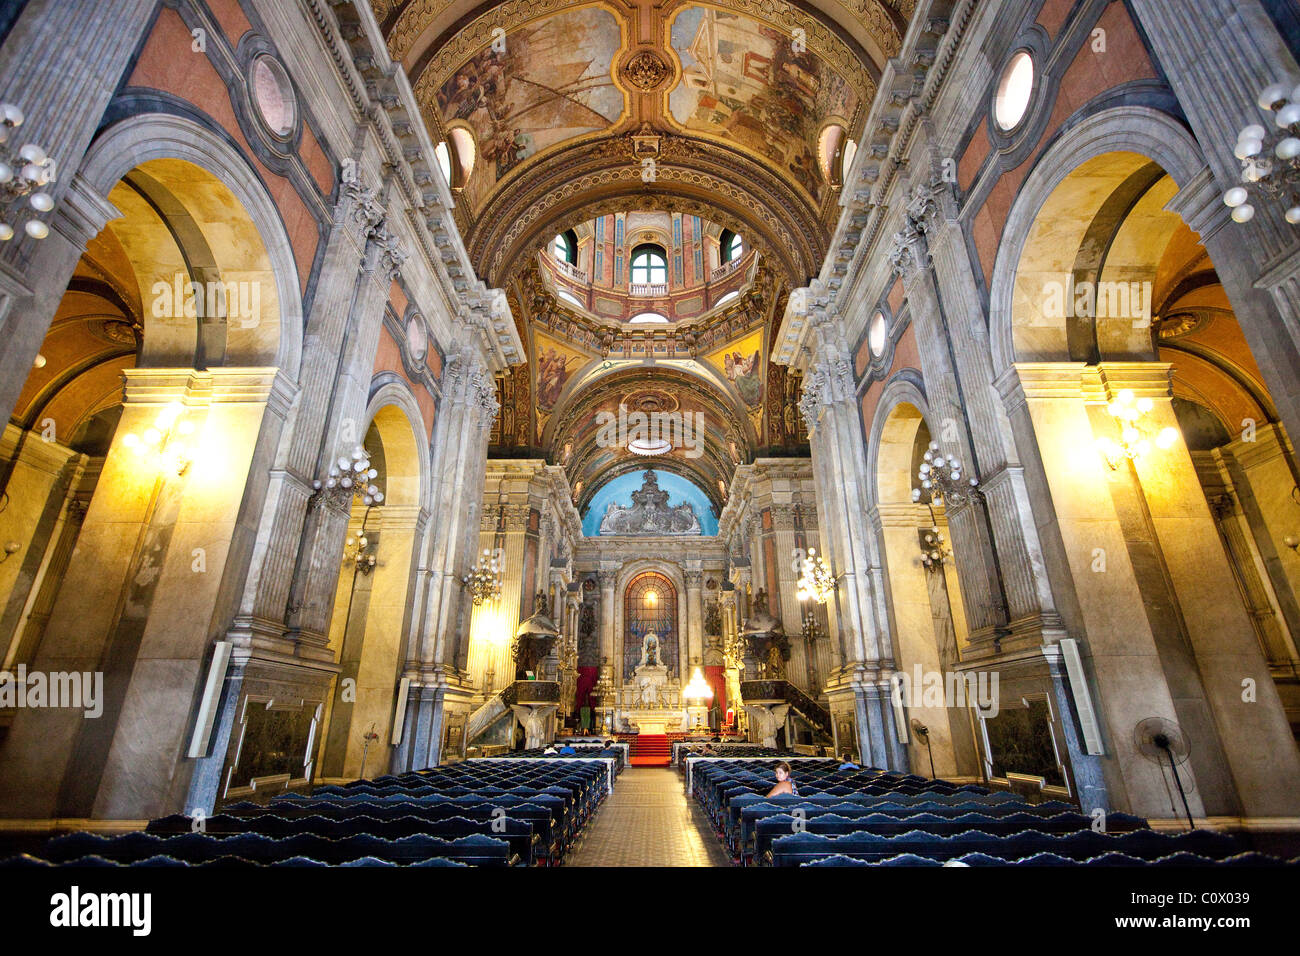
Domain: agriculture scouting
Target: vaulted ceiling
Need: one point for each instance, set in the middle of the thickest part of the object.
(571, 110)
(556, 112)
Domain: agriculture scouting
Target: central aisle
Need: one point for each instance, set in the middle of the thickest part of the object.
(648, 821)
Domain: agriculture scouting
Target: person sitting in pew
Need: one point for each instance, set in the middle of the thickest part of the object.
(567, 751)
(784, 780)
(846, 762)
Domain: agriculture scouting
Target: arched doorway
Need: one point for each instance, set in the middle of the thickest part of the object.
(1096, 285)
(927, 616)
(372, 614)
(134, 503)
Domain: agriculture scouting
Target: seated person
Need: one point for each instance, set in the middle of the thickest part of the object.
(706, 750)
(846, 762)
(784, 781)
(549, 751)
(567, 750)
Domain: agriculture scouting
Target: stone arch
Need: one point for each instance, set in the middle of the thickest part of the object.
(152, 137)
(626, 575)
(1139, 130)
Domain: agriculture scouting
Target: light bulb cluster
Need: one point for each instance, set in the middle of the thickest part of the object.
(165, 439)
(1133, 443)
(816, 581)
(1270, 159)
(351, 476)
(934, 549)
(484, 579)
(22, 174)
(941, 479)
(355, 551)
(698, 689)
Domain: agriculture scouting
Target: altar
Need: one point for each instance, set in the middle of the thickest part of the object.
(654, 721)
(651, 700)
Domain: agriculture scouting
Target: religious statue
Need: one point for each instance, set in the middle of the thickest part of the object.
(649, 692)
(775, 662)
(650, 650)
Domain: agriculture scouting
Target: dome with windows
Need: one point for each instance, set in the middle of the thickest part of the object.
(648, 267)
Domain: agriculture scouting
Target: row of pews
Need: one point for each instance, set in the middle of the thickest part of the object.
(487, 812)
(875, 817)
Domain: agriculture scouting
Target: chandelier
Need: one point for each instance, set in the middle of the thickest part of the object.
(1270, 159)
(350, 476)
(941, 481)
(22, 173)
(1133, 443)
(815, 579)
(483, 580)
(698, 688)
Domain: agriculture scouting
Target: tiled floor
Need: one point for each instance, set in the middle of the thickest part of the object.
(648, 821)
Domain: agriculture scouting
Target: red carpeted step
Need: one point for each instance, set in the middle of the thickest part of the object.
(650, 750)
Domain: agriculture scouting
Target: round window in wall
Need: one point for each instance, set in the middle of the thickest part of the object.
(1014, 89)
(273, 96)
(876, 334)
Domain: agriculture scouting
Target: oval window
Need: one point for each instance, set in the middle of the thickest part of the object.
(1014, 89)
(273, 95)
(876, 335)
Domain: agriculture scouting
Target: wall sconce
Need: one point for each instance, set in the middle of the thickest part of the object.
(165, 439)
(349, 477)
(816, 581)
(21, 174)
(1133, 443)
(934, 549)
(356, 551)
(941, 479)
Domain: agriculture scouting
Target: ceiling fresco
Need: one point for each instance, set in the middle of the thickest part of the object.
(665, 121)
(747, 83)
(545, 83)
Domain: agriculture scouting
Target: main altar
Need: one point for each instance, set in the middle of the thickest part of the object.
(651, 700)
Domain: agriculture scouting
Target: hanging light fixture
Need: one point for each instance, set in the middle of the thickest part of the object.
(350, 476)
(164, 441)
(357, 552)
(1270, 158)
(816, 580)
(934, 549)
(941, 479)
(698, 689)
(22, 174)
(483, 581)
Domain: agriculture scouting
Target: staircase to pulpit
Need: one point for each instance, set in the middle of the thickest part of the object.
(771, 701)
(532, 703)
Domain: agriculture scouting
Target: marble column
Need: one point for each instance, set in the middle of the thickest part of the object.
(1237, 686)
(1054, 430)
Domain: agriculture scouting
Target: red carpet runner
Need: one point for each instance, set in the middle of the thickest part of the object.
(650, 750)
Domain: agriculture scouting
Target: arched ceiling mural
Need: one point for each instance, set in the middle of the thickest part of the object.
(691, 115)
(567, 103)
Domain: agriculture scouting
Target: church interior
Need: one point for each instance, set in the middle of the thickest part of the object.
(702, 433)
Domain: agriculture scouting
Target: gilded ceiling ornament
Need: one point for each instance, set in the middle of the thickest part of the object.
(646, 71)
